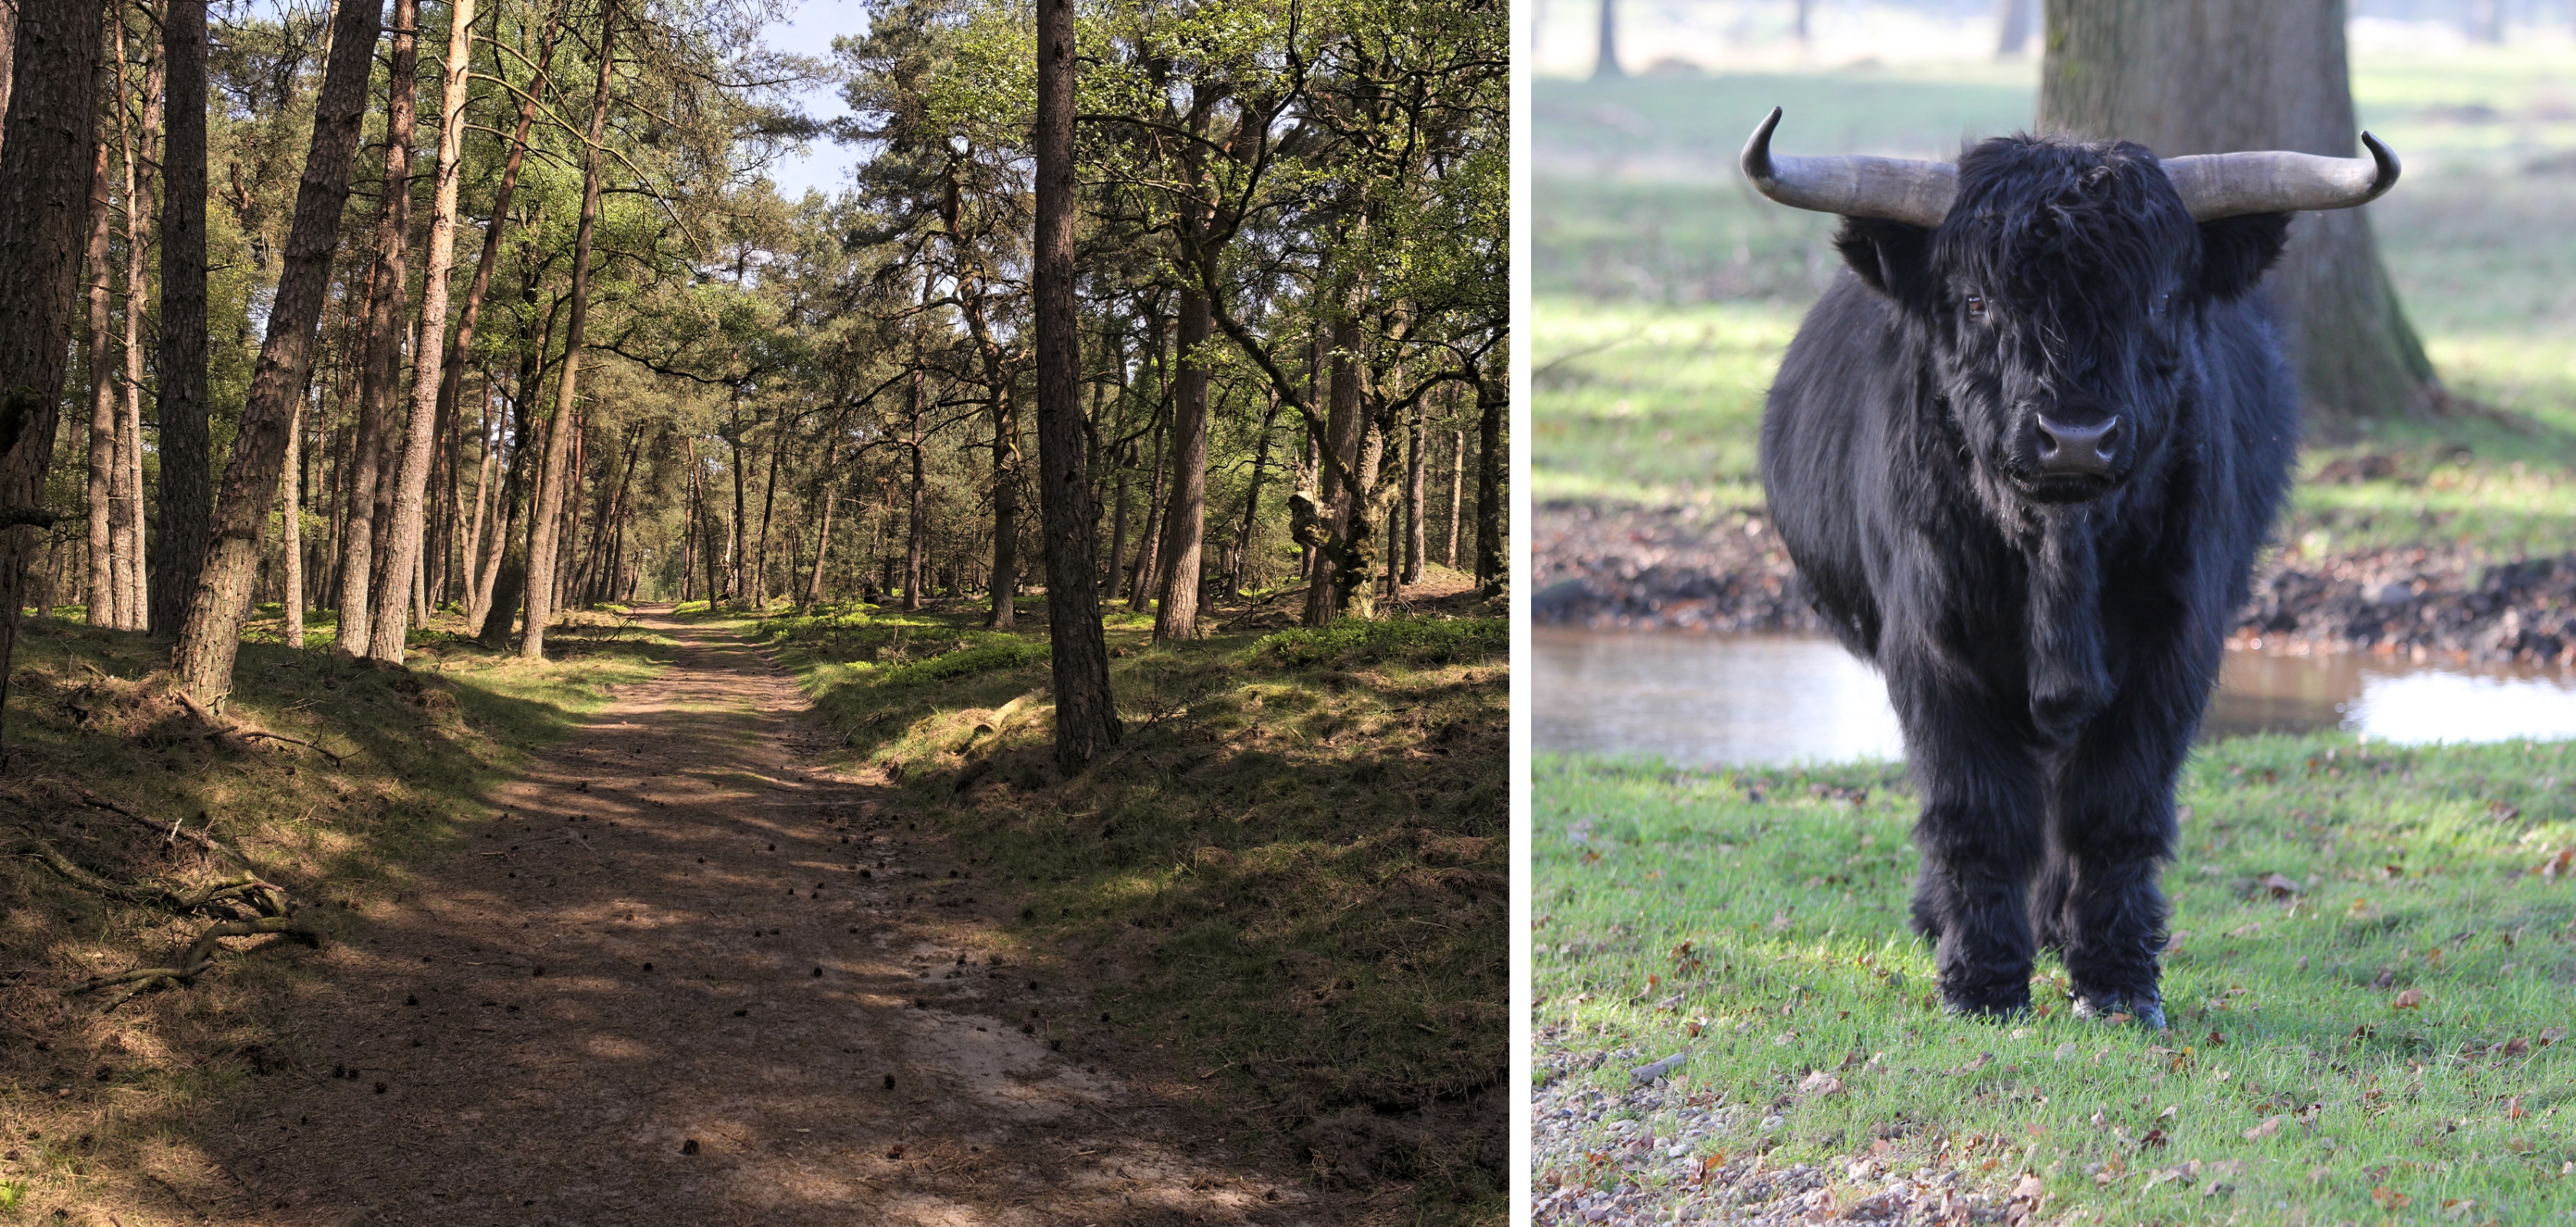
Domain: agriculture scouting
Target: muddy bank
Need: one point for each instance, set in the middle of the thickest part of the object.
(1696, 569)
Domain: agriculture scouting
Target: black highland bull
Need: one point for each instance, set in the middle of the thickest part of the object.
(2023, 454)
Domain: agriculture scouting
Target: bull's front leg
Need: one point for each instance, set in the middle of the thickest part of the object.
(2112, 826)
(1980, 834)
(2068, 683)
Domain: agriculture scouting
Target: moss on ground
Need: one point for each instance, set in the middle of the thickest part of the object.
(1290, 878)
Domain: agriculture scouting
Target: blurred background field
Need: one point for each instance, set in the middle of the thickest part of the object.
(1665, 289)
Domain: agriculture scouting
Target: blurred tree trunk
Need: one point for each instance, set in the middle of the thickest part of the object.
(1605, 64)
(2012, 27)
(2215, 76)
(210, 635)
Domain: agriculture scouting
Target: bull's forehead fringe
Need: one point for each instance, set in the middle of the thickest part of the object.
(2039, 216)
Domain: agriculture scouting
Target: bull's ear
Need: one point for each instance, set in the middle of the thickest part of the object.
(2235, 252)
(1893, 257)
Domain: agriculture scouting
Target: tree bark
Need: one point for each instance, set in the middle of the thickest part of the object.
(128, 532)
(386, 290)
(1457, 486)
(210, 636)
(1492, 401)
(1252, 500)
(1086, 722)
(1185, 522)
(1605, 60)
(52, 110)
(1414, 473)
(552, 478)
(916, 549)
(1149, 536)
(420, 441)
(105, 468)
(186, 458)
(2215, 76)
(1328, 593)
(291, 511)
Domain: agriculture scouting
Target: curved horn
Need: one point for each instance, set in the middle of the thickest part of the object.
(1917, 193)
(2215, 185)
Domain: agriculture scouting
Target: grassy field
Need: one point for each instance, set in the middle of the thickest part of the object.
(1665, 289)
(1290, 878)
(403, 759)
(2368, 989)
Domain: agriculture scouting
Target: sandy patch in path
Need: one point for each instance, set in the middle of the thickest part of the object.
(686, 931)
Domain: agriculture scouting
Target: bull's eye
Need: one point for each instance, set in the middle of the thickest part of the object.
(1976, 307)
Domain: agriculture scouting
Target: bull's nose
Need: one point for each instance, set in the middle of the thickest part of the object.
(2073, 450)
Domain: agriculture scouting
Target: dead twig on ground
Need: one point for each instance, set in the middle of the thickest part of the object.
(265, 897)
(200, 956)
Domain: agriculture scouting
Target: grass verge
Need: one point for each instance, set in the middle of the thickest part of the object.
(2368, 991)
(86, 1097)
(1289, 880)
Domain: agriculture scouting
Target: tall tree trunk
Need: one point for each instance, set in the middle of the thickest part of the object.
(104, 466)
(916, 549)
(768, 505)
(1252, 499)
(1005, 585)
(140, 157)
(831, 492)
(470, 542)
(411, 483)
(210, 636)
(1493, 398)
(386, 291)
(291, 510)
(52, 108)
(551, 475)
(1328, 594)
(1185, 523)
(2215, 76)
(1149, 535)
(1457, 487)
(186, 458)
(1414, 534)
(1086, 722)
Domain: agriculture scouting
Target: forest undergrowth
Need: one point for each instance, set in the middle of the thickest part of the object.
(320, 775)
(1288, 881)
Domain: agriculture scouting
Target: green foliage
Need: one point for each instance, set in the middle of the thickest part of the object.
(2383, 1015)
(1420, 641)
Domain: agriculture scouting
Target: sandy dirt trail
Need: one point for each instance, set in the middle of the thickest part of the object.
(680, 983)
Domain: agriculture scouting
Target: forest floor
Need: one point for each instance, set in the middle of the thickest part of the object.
(675, 967)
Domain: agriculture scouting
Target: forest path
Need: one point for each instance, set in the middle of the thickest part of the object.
(670, 987)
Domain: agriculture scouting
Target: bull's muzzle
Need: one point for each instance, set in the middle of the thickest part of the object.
(2067, 449)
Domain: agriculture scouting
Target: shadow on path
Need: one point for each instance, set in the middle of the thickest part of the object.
(681, 980)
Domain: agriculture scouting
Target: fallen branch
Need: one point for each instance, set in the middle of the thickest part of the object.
(265, 897)
(212, 721)
(200, 956)
(203, 839)
(336, 759)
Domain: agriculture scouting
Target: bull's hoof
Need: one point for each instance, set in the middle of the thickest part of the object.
(2148, 1012)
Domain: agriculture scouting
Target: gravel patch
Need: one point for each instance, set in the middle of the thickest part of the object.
(1649, 1153)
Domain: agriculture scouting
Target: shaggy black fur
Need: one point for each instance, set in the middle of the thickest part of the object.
(2049, 642)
